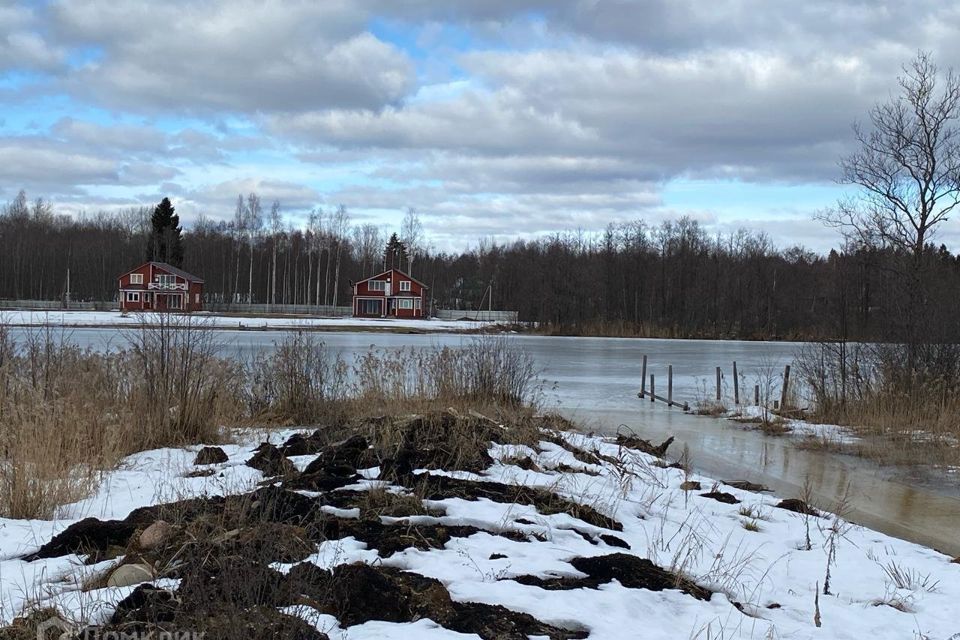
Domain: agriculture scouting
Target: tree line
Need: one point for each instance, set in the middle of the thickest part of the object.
(672, 279)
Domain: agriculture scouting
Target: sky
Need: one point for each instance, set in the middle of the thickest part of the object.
(495, 119)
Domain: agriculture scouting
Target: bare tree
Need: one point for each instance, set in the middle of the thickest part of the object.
(411, 233)
(908, 171)
(239, 229)
(341, 222)
(253, 222)
(366, 243)
(276, 228)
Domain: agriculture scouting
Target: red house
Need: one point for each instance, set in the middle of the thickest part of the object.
(391, 294)
(158, 286)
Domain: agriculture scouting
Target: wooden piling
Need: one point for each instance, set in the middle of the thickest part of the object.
(653, 389)
(669, 385)
(736, 385)
(643, 377)
(786, 385)
(756, 395)
(718, 384)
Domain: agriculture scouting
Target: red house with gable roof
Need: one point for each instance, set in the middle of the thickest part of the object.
(158, 286)
(391, 294)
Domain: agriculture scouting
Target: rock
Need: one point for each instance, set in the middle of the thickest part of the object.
(798, 506)
(210, 455)
(690, 485)
(155, 535)
(720, 496)
(130, 574)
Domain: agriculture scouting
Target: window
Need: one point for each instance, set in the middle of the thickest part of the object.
(136, 278)
(404, 285)
(133, 296)
(416, 303)
(175, 302)
(406, 303)
(377, 285)
(167, 279)
(196, 298)
(369, 307)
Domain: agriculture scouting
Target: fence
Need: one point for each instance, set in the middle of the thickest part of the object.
(284, 309)
(57, 305)
(481, 316)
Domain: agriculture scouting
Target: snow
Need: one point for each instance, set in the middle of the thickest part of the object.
(704, 539)
(828, 433)
(274, 323)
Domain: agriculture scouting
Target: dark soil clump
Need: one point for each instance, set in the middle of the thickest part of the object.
(633, 442)
(210, 455)
(546, 502)
(720, 496)
(798, 506)
(630, 571)
(270, 461)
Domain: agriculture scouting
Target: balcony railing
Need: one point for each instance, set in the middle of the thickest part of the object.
(167, 286)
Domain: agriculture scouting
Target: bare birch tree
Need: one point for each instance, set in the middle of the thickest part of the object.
(276, 228)
(411, 233)
(253, 222)
(341, 222)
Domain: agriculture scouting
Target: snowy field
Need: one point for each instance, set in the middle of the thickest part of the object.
(751, 553)
(114, 318)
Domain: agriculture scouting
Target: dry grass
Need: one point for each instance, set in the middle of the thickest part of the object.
(68, 414)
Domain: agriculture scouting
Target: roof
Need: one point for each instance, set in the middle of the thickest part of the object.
(405, 275)
(169, 268)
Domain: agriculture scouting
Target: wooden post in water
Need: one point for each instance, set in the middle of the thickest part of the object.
(786, 385)
(653, 392)
(718, 384)
(670, 385)
(756, 395)
(643, 377)
(736, 385)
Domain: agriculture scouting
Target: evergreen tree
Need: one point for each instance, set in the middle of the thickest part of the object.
(396, 253)
(165, 243)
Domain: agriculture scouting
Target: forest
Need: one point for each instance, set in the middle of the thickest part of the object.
(672, 279)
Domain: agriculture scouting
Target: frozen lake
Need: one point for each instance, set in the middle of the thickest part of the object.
(595, 380)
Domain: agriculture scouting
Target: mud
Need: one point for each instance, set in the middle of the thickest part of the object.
(270, 461)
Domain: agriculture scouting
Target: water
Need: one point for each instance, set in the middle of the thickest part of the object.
(595, 381)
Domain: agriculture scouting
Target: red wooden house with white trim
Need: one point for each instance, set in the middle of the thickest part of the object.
(391, 294)
(158, 286)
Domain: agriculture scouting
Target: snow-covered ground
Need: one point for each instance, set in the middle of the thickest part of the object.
(114, 318)
(752, 553)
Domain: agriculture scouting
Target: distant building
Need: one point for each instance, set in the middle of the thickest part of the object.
(158, 286)
(391, 294)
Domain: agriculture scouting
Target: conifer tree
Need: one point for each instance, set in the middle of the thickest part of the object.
(165, 243)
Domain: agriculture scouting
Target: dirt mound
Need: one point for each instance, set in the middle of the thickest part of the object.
(633, 442)
(270, 461)
(210, 455)
(721, 496)
(90, 536)
(358, 593)
(546, 502)
(630, 571)
(797, 506)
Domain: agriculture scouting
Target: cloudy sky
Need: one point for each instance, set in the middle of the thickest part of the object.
(493, 118)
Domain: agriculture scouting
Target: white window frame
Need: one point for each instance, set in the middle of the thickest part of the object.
(405, 285)
(406, 303)
(166, 278)
(416, 303)
(196, 298)
(377, 285)
(136, 278)
(175, 302)
(133, 296)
